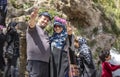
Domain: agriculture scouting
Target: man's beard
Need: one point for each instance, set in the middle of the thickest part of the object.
(43, 27)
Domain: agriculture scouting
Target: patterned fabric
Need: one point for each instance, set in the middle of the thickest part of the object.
(82, 40)
(85, 50)
(85, 60)
(58, 39)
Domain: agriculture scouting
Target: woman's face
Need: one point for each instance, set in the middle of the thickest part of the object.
(69, 30)
(58, 29)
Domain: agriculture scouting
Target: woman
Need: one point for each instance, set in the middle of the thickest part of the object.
(59, 59)
(85, 59)
(12, 50)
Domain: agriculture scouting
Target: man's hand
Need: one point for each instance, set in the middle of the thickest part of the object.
(33, 17)
(34, 13)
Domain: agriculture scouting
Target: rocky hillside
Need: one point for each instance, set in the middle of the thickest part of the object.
(97, 20)
(87, 16)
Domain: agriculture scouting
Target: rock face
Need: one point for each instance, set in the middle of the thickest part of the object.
(18, 8)
(88, 18)
(83, 11)
(85, 15)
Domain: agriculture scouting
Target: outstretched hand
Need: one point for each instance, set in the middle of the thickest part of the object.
(34, 13)
(33, 17)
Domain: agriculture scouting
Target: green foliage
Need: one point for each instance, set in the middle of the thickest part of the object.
(19, 6)
(92, 43)
(117, 44)
(115, 29)
(106, 29)
(52, 2)
(79, 31)
(111, 11)
(49, 29)
(95, 30)
(15, 5)
(27, 18)
(27, 5)
(96, 1)
(99, 49)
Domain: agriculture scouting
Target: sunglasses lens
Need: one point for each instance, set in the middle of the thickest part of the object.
(56, 26)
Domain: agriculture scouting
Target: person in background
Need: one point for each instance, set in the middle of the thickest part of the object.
(59, 58)
(3, 10)
(73, 67)
(38, 47)
(2, 42)
(70, 43)
(85, 60)
(107, 68)
(11, 50)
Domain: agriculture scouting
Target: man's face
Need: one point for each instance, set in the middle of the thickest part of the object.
(43, 21)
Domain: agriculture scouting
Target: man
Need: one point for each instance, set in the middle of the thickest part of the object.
(38, 49)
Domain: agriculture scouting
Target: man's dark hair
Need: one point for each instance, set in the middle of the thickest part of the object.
(45, 14)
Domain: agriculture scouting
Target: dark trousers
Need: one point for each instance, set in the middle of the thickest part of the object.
(2, 62)
(11, 68)
(37, 68)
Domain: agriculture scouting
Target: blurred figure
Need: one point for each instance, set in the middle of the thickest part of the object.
(59, 57)
(107, 67)
(73, 67)
(2, 42)
(85, 59)
(70, 42)
(12, 50)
